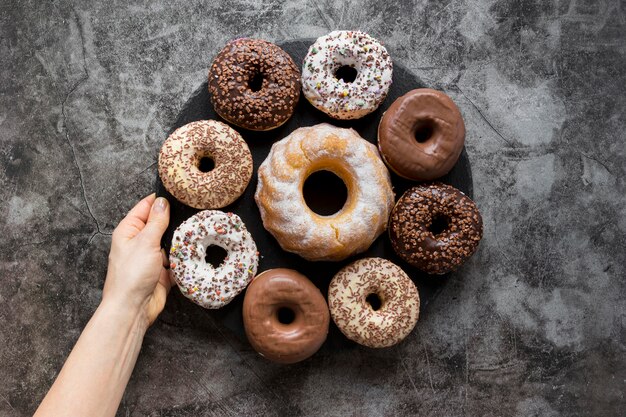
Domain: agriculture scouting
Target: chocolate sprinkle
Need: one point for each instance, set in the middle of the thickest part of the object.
(355, 317)
(179, 162)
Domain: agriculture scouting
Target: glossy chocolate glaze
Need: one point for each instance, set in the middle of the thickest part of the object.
(428, 111)
(285, 343)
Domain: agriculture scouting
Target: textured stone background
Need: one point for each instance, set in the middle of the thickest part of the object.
(532, 325)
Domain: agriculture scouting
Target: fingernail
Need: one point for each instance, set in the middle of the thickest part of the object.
(160, 205)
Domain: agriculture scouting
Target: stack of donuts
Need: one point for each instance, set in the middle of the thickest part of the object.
(255, 85)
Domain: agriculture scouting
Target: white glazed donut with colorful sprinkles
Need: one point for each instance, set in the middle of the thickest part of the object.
(336, 97)
(198, 280)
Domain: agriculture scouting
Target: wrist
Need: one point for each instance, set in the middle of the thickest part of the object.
(124, 314)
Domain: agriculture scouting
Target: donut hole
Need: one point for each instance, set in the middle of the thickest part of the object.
(423, 131)
(346, 73)
(324, 193)
(285, 315)
(256, 82)
(206, 164)
(215, 255)
(374, 301)
(439, 224)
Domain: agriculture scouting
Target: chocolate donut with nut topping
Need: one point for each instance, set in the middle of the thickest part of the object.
(435, 228)
(254, 84)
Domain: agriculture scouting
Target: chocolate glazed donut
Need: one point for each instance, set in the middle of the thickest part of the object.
(285, 316)
(421, 135)
(435, 228)
(254, 84)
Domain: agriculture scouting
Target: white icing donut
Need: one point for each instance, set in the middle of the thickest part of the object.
(284, 211)
(335, 97)
(198, 280)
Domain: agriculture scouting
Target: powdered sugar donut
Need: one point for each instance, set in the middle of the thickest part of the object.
(198, 280)
(373, 302)
(355, 161)
(348, 51)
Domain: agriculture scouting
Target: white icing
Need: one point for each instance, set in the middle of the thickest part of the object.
(336, 97)
(198, 280)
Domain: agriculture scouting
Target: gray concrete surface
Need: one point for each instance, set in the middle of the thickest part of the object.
(533, 325)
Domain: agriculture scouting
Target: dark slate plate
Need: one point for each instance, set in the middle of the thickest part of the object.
(199, 107)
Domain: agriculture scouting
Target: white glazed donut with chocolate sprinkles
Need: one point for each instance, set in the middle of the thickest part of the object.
(358, 320)
(179, 164)
(336, 97)
(199, 281)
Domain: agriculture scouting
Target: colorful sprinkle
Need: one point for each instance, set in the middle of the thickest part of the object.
(339, 48)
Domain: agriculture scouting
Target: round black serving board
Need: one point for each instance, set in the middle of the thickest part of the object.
(199, 107)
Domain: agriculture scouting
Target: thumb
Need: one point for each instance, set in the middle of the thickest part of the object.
(158, 219)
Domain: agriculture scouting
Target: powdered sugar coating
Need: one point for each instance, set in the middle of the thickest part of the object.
(198, 280)
(355, 317)
(285, 213)
(180, 157)
(335, 97)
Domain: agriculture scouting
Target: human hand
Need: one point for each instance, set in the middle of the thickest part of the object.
(137, 277)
